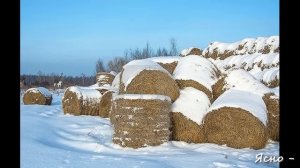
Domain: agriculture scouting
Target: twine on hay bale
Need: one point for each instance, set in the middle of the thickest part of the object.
(272, 103)
(38, 95)
(237, 119)
(140, 120)
(147, 77)
(104, 78)
(81, 101)
(187, 114)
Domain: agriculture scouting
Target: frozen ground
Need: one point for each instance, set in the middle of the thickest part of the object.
(51, 139)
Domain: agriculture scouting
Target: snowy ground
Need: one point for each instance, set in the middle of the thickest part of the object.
(51, 139)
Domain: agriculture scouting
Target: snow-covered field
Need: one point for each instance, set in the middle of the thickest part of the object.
(51, 139)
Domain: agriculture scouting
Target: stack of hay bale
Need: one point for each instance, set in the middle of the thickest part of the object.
(140, 113)
(195, 75)
(39, 95)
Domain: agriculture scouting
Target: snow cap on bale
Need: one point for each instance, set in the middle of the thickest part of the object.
(116, 82)
(240, 79)
(81, 101)
(191, 51)
(187, 114)
(105, 78)
(198, 72)
(169, 63)
(147, 77)
(140, 120)
(272, 102)
(39, 95)
(237, 119)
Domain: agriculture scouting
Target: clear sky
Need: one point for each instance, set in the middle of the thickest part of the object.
(70, 35)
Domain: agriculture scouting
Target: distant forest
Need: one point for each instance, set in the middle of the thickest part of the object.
(116, 64)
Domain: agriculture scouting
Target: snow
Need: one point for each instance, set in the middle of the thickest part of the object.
(165, 59)
(267, 75)
(244, 100)
(143, 97)
(251, 45)
(86, 92)
(113, 73)
(197, 68)
(41, 90)
(116, 81)
(192, 103)
(133, 68)
(242, 80)
(51, 139)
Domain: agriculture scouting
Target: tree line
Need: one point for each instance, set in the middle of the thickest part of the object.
(47, 80)
(117, 63)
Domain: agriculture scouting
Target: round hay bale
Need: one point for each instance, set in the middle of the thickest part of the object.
(237, 119)
(190, 51)
(140, 120)
(39, 95)
(240, 79)
(81, 101)
(198, 72)
(187, 114)
(105, 104)
(272, 103)
(147, 77)
(104, 78)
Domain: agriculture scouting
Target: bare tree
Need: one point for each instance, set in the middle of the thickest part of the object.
(173, 49)
(117, 64)
(100, 66)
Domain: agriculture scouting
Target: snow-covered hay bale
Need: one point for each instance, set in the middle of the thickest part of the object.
(141, 120)
(237, 119)
(105, 104)
(187, 114)
(167, 62)
(272, 103)
(190, 51)
(39, 95)
(198, 72)
(104, 78)
(263, 45)
(269, 77)
(81, 101)
(240, 79)
(147, 77)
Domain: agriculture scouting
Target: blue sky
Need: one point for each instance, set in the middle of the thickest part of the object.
(70, 35)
